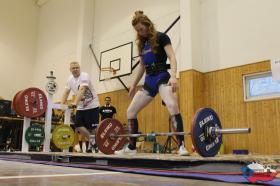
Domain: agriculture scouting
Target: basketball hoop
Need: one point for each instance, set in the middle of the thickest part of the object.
(107, 73)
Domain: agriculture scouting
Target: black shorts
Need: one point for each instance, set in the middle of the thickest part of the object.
(87, 118)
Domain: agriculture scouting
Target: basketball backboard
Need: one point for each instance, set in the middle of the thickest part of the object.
(118, 58)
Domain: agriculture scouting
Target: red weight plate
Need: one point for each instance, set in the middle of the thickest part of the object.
(31, 102)
(14, 104)
(106, 141)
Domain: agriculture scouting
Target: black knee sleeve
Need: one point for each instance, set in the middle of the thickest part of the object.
(178, 126)
(81, 144)
(132, 129)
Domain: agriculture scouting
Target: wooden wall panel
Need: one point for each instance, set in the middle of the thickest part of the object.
(191, 98)
(224, 92)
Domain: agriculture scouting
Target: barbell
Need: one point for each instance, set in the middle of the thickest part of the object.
(206, 133)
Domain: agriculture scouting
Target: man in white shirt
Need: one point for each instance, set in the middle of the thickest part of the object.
(86, 102)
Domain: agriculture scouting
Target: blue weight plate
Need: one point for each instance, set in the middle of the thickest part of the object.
(206, 146)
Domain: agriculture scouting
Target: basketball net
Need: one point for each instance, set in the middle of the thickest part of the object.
(108, 73)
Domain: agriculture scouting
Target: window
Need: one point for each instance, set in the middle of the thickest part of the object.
(260, 86)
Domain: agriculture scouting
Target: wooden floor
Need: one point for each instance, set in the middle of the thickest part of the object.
(15, 173)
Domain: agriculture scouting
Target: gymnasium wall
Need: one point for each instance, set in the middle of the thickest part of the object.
(238, 32)
(18, 30)
(221, 90)
(65, 30)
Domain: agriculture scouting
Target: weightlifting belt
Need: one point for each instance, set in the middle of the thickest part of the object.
(155, 68)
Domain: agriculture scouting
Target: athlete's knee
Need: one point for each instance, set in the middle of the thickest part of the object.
(131, 113)
(172, 107)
